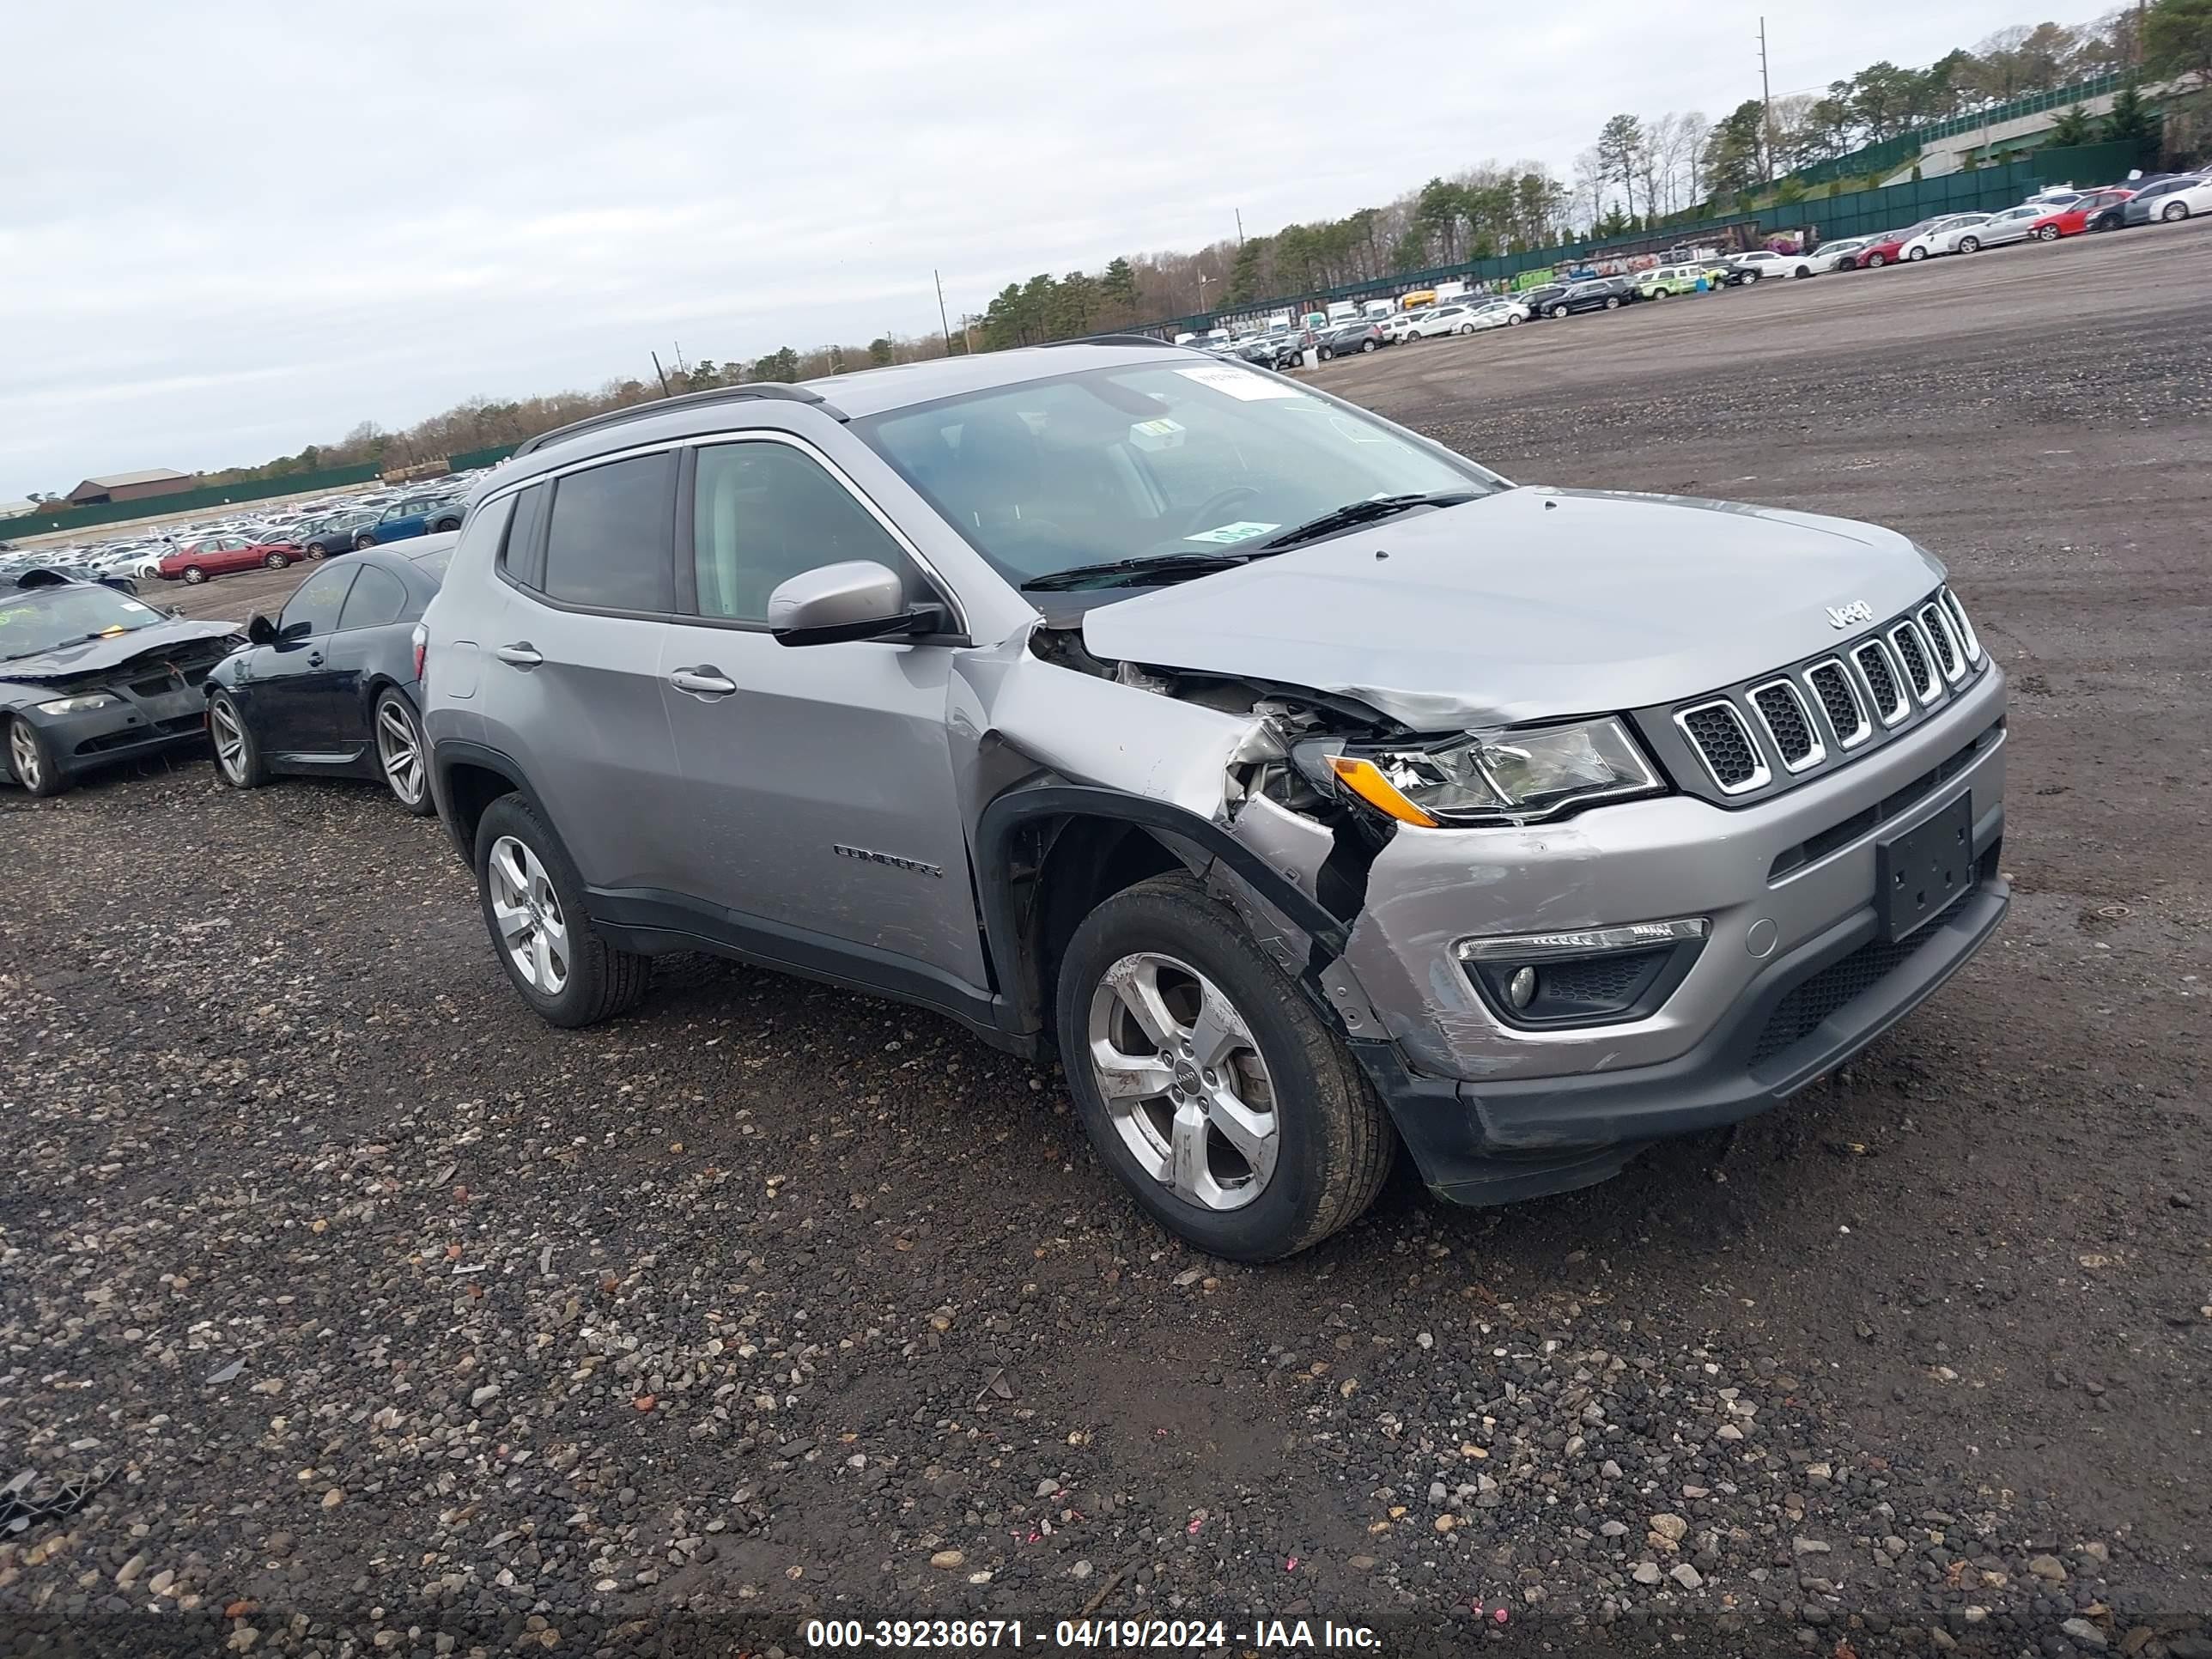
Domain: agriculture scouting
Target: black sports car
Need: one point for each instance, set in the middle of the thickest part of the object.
(89, 675)
(329, 688)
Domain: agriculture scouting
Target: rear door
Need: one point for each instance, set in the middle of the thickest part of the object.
(571, 686)
(373, 607)
(818, 798)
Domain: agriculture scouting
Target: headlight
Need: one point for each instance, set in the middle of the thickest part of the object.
(1506, 776)
(83, 705)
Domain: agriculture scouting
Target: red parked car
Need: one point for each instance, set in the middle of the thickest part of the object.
(1885, 250)
(219, 555)
(2074, 218)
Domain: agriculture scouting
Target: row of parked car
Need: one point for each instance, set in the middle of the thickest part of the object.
(197, 552)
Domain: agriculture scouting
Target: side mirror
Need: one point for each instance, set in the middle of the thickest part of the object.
(857, 600)
(259, 630)
(292, 632)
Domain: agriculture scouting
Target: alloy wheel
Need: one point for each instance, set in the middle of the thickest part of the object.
(2175, 211)
(23, 750)
(399, 752)
(229, 739)
(1183, 1081)
(531, 928)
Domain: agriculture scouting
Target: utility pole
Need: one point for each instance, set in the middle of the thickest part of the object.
(942, 321)
(1766, 98)
(1240, 226)
(663, 375)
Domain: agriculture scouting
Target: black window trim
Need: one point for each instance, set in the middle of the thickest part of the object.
(406, 599)
(345, 592)
(687, 570)
(541, 529)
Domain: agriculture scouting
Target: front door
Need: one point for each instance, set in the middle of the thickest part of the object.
(817, 788)
(291, 678)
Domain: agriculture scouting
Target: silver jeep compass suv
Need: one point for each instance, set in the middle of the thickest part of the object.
(1305, 788)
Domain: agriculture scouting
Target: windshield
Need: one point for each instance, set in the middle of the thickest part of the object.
(1150, 460)
(42, 618)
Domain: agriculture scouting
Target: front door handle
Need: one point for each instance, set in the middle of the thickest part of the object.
(706, 680)
(521, 654)
(314, 659)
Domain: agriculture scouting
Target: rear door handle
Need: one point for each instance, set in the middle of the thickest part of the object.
(314, 659)
(521, 654)
(706, 680)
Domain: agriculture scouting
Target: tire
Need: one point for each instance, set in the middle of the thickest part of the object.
(1916, 254)
(1556, 313)
(1613, 302)
(2048, 233)
(32, 763)
(1801, 273)
(1970, 244)
(1328, 1140)
(1875, 262)
(1366, 346)
(599, 981)
(363, 541)
(1747, 278)
(1511, 321)
(276, 561)
(401, 757)
(1466, 329)
(1656, 294)
(2174, 212)
(1324, 353)
(238, 759)
(446, 523)
(194, 575)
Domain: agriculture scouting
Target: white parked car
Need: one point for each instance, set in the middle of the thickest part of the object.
(1401, 327)
(2169, 199)
(1764, 262)
(2010, 226)
(1499, 313)
(1829, 256)
(1942, 236)
(1441, 319)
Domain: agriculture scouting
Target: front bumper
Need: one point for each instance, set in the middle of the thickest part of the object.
(136, 725)
(1792, 981)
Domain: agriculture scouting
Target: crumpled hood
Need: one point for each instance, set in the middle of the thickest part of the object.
(92, 656)
(1526, 604)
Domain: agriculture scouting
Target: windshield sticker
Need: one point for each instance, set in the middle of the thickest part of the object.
(1243, 531)
(137, 609)
(1157, 435)
(1240, 383)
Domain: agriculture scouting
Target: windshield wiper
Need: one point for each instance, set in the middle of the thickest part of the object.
(1118, 573)
(1359, 513)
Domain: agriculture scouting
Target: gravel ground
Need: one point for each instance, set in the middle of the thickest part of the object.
(397, 1323)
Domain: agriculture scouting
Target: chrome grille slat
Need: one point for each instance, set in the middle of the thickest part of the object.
(1788, 721)
(1917, 657)
(1883, 679)
(1714, 730)
(1831, 684)
(1967, 637)
(1950, 656)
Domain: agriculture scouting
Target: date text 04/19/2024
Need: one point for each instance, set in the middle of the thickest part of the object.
(1109, 1634)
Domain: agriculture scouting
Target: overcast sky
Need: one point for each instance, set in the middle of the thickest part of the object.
(230, 230)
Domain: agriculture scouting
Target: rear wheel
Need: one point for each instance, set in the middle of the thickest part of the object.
(1970, 244)
(1875, 262)
(1801, 271)
(2175, 211)
(1613, 302)
(31, 760)
(2048, 233)
(1512, 318)
(1916, 254)
(401, 753)
(237, 756)
(1557, 311)
(1367, 346)
(194, 575)
(533, 906)
(363, 541)
(277, 561)
(1207, 1082)
(1749, 277)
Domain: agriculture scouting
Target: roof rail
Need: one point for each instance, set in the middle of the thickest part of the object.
(1111, 339)
(750, 391)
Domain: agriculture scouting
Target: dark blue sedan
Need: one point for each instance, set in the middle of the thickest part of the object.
(417, 515)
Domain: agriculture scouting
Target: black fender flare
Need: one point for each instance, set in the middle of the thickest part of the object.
(459, 751)
(1006, 816)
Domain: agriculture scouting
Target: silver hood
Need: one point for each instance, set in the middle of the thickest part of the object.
(1528, 605)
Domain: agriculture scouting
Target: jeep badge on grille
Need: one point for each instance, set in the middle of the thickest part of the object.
(1847, 616)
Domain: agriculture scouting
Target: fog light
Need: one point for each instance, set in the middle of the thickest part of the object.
(1582, 977)
(1521, 989)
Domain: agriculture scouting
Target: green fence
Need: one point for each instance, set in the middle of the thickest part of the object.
(185, 500)
(1895, 152)
(475, 458)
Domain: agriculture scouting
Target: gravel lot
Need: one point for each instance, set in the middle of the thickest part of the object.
(401, 1323)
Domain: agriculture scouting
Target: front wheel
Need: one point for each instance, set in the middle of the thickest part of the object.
(1557, 311)
(1875, 262)
(237, 754)
(1208, 1083)
(2175, 212)
(1970, 244)
(1512, 319)
(31, 760)
(1366, 346)
(2048, 233)
(363, 541)
(194, 575)
(533, 901)
(1749, 277)
(1613, 302)
(276, 561)
(1801, 272)
(1916, 254)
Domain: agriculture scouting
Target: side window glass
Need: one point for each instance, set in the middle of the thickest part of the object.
(763, 513)
(378, 598)
(320, 599)
(610, 541)
(520, 555)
